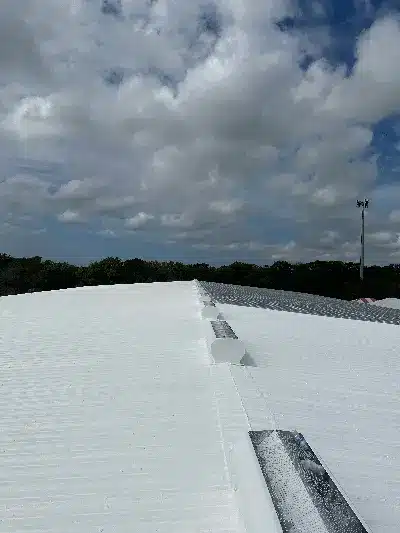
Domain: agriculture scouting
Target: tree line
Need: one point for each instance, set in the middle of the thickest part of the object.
(335, 279)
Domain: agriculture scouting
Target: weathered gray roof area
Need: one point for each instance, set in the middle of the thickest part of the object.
(299, 303)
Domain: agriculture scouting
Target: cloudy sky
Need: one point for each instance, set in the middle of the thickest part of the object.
(199, 130)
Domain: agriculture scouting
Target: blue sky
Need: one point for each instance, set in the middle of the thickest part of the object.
(199, 131)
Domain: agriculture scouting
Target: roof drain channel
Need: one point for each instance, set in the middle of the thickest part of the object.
(305, 497)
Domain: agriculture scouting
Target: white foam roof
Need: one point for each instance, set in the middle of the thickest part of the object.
(114, 419)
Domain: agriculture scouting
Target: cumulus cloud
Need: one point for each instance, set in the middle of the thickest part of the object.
(70, 217)
(107, 233)
(139, 220)
(375, 77)
(174, 220)
(226, 207)
(394, 216)
(195, 121)
(21, 195)
(383, 237)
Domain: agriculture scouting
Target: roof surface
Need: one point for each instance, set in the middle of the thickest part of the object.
(335, 381)
(114, 418)
(300, 303)
(110, 420)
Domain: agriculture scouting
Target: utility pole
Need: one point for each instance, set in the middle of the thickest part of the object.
(364, 205)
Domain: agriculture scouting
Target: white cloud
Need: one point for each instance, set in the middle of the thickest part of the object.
(329, 237)
(138, 221)
(373, 91)
(32, 117)
(241, 138)
(79, 189)
(383, 237)
(70, 217)
(325, 196)
(23, 194)
(107, 233)
(113, 205)
(175, 220)
(394, 216)
(285, 251)
(226, 207)
(254, 246)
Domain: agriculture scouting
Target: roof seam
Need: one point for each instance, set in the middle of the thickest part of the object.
(222, 440)
(270, 413)
(240, 397)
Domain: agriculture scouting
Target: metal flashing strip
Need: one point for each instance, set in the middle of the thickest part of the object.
(315, 504)
(222, 330)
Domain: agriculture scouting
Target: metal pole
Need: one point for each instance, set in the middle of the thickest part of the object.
(364, 205)
(362, 243)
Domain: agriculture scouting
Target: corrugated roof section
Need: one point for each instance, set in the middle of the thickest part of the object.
(294, 302)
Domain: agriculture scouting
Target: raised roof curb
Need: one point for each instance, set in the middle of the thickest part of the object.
(223, 344)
